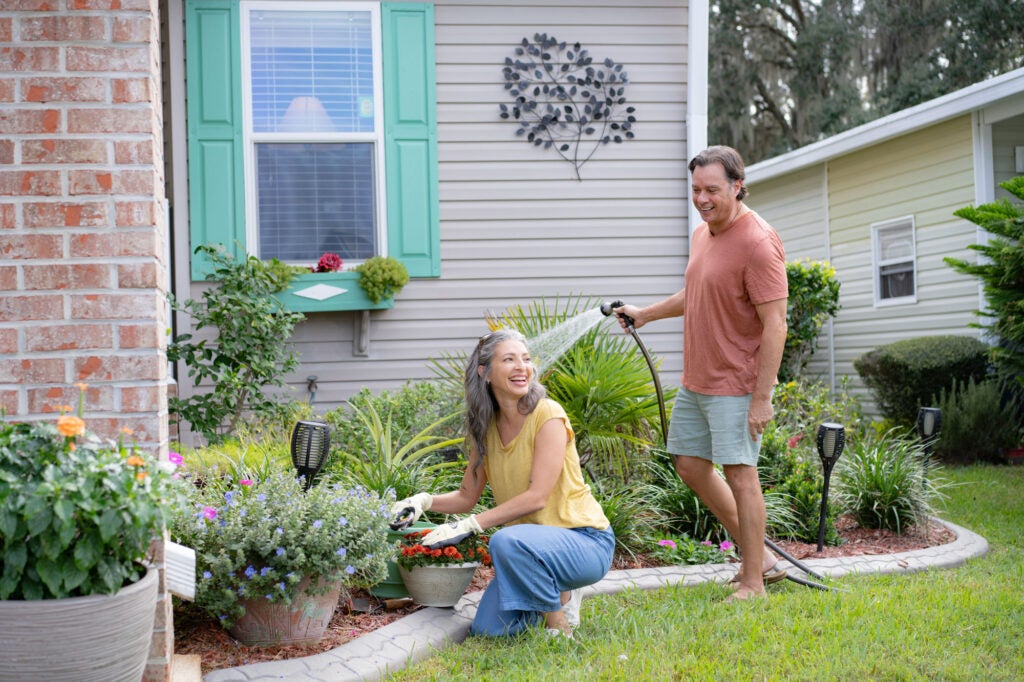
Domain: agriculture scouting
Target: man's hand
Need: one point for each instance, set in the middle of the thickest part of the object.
(758, 415)
(452, 533)
(406, 512)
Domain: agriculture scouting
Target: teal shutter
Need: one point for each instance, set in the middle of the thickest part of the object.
(215, 163)
(410, 140)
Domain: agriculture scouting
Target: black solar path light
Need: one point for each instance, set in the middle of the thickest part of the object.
(831, 438)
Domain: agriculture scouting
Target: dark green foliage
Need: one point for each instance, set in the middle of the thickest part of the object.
(562, 100)
(980, 421)
(251, 351)
(906, 375)
(813, 299)
(1001, 271)
(630, 513)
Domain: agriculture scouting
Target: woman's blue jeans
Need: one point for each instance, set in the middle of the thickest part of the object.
(533, 565)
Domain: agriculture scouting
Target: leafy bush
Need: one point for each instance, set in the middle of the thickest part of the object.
(906, 375)
(801, 406)
(260, 538)
(813, 299)
(978, 424)
(1001, 271)
(77, 514)
(885, 481)
(382, 277)
(632, 517)
(250, 352)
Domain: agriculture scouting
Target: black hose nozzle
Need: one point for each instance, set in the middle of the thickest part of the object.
(608, 306)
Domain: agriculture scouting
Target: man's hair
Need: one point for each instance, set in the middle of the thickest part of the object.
(731, 161)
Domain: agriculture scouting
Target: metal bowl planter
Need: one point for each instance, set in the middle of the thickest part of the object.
(99, 638)
(438, 585)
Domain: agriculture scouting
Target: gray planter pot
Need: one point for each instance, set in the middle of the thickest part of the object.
(102, 638)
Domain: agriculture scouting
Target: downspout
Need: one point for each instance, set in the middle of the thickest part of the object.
(696, 94)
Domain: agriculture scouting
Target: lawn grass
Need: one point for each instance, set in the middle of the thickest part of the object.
(965, 623)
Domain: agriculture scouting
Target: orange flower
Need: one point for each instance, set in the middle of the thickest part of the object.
(141, 476)
(126, 431)
(70, 426)
(136, 461)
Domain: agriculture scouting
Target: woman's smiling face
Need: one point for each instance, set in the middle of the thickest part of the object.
(511, 369)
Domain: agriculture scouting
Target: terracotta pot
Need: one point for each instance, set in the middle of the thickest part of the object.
(302, 622)
(438, 585)
(100, 638)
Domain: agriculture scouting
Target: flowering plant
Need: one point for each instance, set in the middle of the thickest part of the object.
(329, 262)
(77, 514)
(259, 539)
(412, 554)
(686, 550)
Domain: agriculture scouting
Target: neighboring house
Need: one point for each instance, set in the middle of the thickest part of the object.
(414, 161)
(877, 202)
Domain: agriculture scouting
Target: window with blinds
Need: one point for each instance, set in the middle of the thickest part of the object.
(894, 261)
(314, 146)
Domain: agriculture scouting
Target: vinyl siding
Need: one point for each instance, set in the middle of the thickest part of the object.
(927, 175)
(516, 225)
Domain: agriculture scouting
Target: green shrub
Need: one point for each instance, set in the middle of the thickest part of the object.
(801, 406)
(885, 481)
(813, 299)
(681, 551)
(631, 515)
(382, 277)
(1001, 270)
(906, 375)
(978, 423)
(251, 351)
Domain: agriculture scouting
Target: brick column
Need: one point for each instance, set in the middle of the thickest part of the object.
(83, 232)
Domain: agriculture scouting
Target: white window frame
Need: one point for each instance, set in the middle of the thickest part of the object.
(250, 139)
(878, 261)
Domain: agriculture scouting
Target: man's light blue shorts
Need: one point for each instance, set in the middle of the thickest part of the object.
(712, 427)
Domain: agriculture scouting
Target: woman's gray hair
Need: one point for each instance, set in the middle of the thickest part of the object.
(481, 406)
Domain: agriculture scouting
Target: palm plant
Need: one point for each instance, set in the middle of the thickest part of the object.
(403, 465)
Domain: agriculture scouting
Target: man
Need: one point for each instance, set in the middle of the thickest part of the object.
(734, 300)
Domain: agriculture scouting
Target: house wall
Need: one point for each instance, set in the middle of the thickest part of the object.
(516, 224)
(1007, 135)
(83, 235)
(926, 174)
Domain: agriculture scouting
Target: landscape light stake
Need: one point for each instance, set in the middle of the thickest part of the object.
(831, 438)
(311, 443)
(929, 422)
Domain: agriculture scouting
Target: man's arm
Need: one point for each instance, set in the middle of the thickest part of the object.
(769, 358)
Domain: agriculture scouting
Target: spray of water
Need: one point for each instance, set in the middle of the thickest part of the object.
(546, 348)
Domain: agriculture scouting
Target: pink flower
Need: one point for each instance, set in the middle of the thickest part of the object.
(245, 481)
(792, 442)
(667, 543)
(210, 513)
(175, 458)
(725, 546)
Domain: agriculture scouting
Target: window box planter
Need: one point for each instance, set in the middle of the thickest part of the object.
(318, 292)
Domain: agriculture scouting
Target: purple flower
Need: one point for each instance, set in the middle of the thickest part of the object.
(280, 551)
(207, 575)
(708, 543)
(250, 572)
(318, 523)
(342, 552)
(350, 569)
(667, 543)
(264, 571)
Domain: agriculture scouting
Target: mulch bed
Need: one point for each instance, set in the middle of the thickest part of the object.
(197, 634)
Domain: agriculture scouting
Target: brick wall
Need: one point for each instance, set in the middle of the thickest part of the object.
(83, 233)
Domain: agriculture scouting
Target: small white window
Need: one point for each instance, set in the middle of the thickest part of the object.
(894, 256)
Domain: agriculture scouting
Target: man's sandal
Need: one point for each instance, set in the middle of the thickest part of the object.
(772, 575)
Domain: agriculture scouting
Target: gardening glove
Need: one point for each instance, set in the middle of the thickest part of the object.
(451, 533)
(406, 512)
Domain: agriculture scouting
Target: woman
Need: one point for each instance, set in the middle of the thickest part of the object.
(555, 537)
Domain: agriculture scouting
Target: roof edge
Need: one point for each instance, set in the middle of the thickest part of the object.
(920, 116)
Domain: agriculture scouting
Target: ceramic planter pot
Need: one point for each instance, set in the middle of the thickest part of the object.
(302, 622)
(438, 585)
(100, 638)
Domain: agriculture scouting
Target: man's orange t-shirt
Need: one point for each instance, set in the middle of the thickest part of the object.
(727, 276)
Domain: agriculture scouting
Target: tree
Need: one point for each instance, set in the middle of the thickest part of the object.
(786, 73)
(1001, 271)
